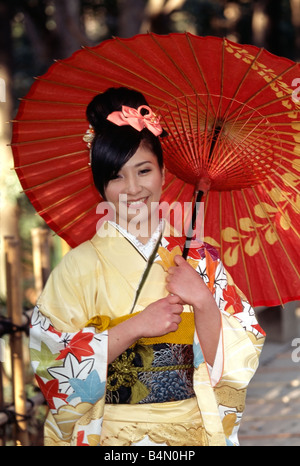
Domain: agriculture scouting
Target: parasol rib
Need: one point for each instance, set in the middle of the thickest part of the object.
(241, 245)
(286, 181)
(38, 162)
(217, 127)
(272, 225)
(116, 81)
(200, 71)
(269, 83)
(45, 183)
(249, 69)
(69, 86)
(262, 248)
(70, 196)
(283, 212)
(40, 101)
(77, 219)
(36, 141)
(174, 63)
(128, 70)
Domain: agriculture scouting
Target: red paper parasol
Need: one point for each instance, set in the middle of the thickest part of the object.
(232, 114)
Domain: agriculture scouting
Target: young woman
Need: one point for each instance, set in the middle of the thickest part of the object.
(131, 344)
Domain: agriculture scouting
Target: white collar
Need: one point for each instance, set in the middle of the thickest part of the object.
(145, 249)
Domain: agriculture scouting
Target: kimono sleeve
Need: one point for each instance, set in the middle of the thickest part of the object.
(242, 338)
(237, 357)
(69, 361)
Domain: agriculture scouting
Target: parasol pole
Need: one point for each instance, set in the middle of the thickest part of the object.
(203, 187)
(189, 236)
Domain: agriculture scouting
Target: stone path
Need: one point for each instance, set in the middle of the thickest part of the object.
(272, 415)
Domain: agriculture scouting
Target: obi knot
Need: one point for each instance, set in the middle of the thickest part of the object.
(124, 372)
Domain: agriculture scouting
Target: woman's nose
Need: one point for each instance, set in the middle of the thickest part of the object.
(133, 186)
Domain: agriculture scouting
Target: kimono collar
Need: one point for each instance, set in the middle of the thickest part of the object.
(111, 235)
(145, 249)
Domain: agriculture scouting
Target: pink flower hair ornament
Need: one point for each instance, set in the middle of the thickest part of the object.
(132, 117)
(135, 118)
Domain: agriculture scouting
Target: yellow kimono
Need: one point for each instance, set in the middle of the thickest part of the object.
(161, 391)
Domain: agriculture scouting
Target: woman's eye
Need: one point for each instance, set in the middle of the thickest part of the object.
(145, 171)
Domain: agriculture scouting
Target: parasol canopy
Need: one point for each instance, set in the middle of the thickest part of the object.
(232, 113)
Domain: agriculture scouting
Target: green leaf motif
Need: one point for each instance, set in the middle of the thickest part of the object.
(139, 391)
(146, 354)
(45, 359)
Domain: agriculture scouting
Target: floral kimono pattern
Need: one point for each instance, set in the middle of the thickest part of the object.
(108, 279)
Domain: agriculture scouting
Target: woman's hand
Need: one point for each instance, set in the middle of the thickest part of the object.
(157, 319)
(185, 282)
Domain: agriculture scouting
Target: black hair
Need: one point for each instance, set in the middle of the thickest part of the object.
(114, 145)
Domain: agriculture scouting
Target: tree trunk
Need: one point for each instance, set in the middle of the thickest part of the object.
(69, 29)
(295, 9)
(131, 17)
(9, 212)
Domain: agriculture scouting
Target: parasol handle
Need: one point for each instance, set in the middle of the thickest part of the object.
(192, 224)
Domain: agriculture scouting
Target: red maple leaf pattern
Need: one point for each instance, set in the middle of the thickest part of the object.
(174, 241)
(53, 330)
(233, 299)
(197, 248)
(50, 391)
(259, 329)
(78, 346)
(80, 437)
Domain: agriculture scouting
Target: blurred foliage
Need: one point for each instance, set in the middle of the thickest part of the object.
(43, 30)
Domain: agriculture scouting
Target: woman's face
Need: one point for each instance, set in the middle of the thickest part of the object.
(136, 191)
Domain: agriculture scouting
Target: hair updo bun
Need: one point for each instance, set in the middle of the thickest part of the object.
(110, 101)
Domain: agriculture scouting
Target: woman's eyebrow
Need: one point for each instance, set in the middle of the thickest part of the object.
(142, 163)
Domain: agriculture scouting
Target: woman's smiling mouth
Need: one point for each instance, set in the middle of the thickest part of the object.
(138, 202)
